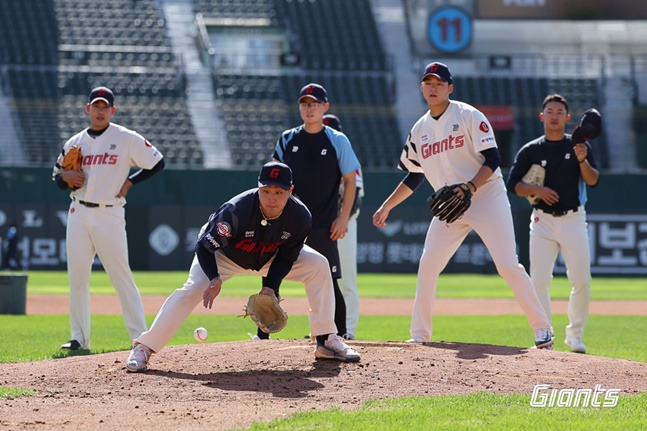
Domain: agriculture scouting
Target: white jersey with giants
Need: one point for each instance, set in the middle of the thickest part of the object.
(107, 160)
(448, 150)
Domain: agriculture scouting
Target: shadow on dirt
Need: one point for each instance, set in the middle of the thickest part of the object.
(280, 383)
(477, 351)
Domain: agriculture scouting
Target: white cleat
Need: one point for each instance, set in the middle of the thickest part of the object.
(544, 339)
(575, 344)
(336, 348)
(138, 359)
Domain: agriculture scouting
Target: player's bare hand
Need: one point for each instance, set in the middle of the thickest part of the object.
(124, 189)
(269, 292)
(459, 192)
(211, 292)
(380, 216)
(74, 179)
(339, 228)
(581, 151)
(548, 195)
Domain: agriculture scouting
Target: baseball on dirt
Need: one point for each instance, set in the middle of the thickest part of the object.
(200, 334)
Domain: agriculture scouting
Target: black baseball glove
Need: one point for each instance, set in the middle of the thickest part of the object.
(589, 127)
(446, 205)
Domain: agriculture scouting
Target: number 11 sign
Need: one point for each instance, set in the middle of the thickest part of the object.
(450, 29)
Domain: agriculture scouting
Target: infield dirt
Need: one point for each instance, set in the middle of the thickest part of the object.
(225, 385)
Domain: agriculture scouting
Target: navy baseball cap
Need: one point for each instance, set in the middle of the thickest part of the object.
(315, 91)
(275, 174)
(102, 93)
(440, 70)
(332, 121)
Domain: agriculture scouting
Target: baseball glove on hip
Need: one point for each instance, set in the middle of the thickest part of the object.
(446, 205)
(535, 177)
(266, 312)
(72, 159)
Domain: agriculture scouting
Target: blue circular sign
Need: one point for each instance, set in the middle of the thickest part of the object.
(450, 29)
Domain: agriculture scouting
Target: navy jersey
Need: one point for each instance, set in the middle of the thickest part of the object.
(562, 171)
(318, 162)
(236, 229)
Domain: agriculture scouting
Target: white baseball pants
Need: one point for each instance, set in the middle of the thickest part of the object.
(311, 269)
(348, 282)
(100, 231)
(569, 233)
(490, 217)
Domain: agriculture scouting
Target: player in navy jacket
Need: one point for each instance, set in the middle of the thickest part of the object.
(260, 231)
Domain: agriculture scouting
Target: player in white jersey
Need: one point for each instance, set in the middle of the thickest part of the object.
(347, 245)
(95, 222)
(454, 143)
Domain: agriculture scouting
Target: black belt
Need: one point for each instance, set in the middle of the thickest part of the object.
(91, 204)
(558, 213)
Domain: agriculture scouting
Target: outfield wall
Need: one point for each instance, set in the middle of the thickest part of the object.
(164, 214)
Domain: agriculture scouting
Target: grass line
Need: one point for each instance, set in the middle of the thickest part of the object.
(369, 285)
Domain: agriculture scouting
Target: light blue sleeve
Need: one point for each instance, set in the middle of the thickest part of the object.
(346, 157)
(581, 185)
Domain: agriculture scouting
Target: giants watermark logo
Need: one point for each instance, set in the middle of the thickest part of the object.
(598, 397)
(450, 143)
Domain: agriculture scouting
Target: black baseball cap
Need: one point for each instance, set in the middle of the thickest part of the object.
(275, 174)
(332, 121)
(440, 70)
(315, 91)
(102, 93)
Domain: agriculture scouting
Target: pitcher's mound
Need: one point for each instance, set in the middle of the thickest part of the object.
(227, 385)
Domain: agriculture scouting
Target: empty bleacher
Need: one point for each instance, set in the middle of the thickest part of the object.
(334, 34)
(257, 109)
(28, 32)
(150, 103)
(525, 94)
(238, 10)
(113, 23)
(54, 52)
(339, 47)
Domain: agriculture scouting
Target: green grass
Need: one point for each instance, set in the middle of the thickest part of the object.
(370, 285)
(38, 337)
(11, 392)
(469, 412)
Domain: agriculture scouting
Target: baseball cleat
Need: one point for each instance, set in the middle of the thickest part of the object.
(336, 348)
(71, 345)
(575, 344)
(348, 336)
(138, 359)
(544, 339)
(414, 340)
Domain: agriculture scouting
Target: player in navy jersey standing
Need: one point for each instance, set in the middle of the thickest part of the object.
(260, 231)
(321, 158)
(558, 221)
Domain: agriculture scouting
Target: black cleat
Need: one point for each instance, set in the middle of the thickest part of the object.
(71, 345)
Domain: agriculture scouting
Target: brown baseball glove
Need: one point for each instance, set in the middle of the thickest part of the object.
(535, 177)
(266, 312)
(72, 159)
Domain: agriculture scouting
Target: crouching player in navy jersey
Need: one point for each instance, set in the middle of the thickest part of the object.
(260, 231)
